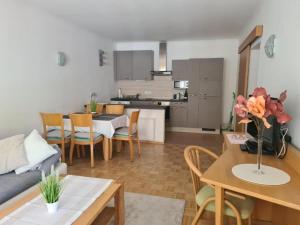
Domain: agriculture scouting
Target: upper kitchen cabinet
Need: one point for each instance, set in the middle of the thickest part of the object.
(133, 65)
(142, 65)
(123, 65)
(206, 76)
(211, 69)
(180, 69)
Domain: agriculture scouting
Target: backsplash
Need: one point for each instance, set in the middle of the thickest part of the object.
(160, 87)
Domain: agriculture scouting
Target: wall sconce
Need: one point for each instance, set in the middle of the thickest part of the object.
(101, 57)
(61, 58)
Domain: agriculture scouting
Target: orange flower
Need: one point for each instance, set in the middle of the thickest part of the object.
(256, 106)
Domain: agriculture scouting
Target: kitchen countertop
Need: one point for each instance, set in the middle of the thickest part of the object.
(141, 106)
(148, 99)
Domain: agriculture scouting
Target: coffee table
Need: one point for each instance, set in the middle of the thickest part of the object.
(98, 211)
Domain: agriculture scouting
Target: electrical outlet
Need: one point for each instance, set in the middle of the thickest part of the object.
(147, 92)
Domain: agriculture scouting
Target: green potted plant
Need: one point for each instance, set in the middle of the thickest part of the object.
(93, 102)
(51, 189)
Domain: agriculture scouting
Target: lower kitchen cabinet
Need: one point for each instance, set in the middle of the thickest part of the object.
(179, 114)
(193, 105)
(151, 124)
(210, 112)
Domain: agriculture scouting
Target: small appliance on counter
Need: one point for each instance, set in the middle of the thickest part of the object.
(181, 84)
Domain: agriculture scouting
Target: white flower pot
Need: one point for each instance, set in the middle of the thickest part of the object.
(52, 207)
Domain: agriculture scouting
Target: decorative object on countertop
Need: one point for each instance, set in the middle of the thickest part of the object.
(93, 102)
(258, 108)
(51, 189)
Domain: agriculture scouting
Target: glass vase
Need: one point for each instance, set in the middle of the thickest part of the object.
(259, 150)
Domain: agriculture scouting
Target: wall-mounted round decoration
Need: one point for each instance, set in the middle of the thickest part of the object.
(61, 59)
(270, 46)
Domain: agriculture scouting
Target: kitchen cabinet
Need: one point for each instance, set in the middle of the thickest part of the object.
(151, 124)
(210, 112)
(142, 65)
(178, 114)
(193, 105)
(123, 65)
(180, 69)
(205, 76)
(133, 65)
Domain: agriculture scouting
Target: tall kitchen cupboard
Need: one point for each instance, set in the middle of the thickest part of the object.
(205, 93)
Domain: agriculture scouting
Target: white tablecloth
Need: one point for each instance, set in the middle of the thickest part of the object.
(73, 202)
(105, 127)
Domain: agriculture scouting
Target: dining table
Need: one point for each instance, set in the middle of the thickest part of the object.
(283, 198)
(105, 124)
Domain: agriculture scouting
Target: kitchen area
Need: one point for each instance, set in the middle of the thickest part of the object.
(187, 98)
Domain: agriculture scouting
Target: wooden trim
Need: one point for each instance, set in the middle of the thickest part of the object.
(254, 34)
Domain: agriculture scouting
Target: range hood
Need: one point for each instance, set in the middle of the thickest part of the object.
(162, 61)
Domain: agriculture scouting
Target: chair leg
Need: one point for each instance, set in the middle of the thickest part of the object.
(110, 148)
(71, 153)
(83, 151)
(249, 221)
(63, 153)
(139, 145)
(198, 215)
(92, 156)
(78, 151)
(131, 149)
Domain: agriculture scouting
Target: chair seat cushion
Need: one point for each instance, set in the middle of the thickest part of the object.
(56, 134)
(85, 136)
(244, 206)
(123, 131)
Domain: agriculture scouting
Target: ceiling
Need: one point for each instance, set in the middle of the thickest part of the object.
(154, 20)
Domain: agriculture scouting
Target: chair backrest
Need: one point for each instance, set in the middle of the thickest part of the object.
(81, 120)
(52, 120)
(114, 109)
(99, 108)
(133, 122)
(193, 159)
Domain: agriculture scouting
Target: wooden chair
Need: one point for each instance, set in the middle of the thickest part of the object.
(83, 138)
(115, 109)
(236, 205)
(99, 108)
(129, 134)
(54, 133)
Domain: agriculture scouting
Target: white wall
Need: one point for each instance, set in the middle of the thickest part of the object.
(227, 49)
(30, 80)
(281, 18)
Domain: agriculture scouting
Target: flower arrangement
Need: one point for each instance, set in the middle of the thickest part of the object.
(258, 108)
(51, 189)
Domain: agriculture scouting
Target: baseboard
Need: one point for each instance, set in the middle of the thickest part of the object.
(193, 130)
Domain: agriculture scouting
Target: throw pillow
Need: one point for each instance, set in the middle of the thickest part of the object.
(12, 153)
(37, 150)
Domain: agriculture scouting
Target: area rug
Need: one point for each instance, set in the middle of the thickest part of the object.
(143, 209)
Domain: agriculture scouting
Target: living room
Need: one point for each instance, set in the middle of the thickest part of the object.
(65, 64)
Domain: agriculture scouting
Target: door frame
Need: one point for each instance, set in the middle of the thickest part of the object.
(245, 53)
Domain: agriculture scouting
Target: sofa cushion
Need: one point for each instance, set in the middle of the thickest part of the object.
(37, 150)
(13, 184)
(12, 153)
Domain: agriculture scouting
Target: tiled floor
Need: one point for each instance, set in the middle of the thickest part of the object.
(160, 171)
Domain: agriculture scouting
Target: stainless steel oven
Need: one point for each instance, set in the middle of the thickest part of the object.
(181, 84)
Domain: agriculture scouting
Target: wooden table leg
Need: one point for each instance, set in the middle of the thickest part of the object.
(119, 206)
(219, 214)
(106, 148)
